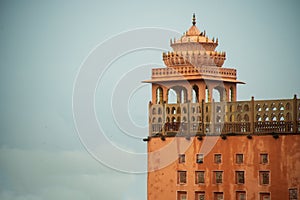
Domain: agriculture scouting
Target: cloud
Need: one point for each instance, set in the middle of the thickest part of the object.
(39, 174)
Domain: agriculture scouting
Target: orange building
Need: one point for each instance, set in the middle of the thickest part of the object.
(204, 144)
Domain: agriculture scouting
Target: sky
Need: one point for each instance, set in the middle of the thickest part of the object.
(45, 153)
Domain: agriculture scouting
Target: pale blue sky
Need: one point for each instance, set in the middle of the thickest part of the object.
(43, 44)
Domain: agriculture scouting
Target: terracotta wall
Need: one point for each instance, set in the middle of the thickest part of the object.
(283, 165)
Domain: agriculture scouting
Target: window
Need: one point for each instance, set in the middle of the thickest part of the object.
(181, 177)
(264, 158)
(199, 195)
(264, 177)
(199, 177)
(293, 194)
(240, 195)
(199, 158)
(218, 177)
(181, 158)
(218, 196)
(181, 195)
(239, 158)
(264, 196)
(240, 179)
(218, 158)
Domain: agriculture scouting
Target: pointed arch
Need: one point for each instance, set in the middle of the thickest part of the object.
(159, 95)
(195, 94)
(231, 94)
(207, 94)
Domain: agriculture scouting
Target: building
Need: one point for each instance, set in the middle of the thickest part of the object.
(204, 144)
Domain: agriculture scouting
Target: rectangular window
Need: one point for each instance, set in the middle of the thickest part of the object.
(181, 158)
(200, 195)
(181, 177)
(264, 177)
(293, 194)
(240, 195)
(218, 196)
(239, 158)
(181, 195)
(264, 196)
(218, 177)
(240, 179)
(264, 158)
(199, 175)
(218, 158)
(199, 158)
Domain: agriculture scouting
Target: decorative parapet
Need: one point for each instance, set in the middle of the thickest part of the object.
(241, 117)
(227, 73)
(195, 58)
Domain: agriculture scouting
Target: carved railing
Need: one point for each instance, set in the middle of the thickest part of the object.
(241, 117)
(189, 70)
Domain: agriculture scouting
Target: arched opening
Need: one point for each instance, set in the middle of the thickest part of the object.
(159, 111)
(195, 94)
(173, 110)
(238, 118)
(281, 107)
(153, 111)
(288, 106)
(159, 95)
(177, 94)
(246, 108)
(183, 96)
(273, 107)
(231, 94)
(173, 119)
(218, 119)
(266, 118)
(258, 108)
(193, 110)
(153, 120)
(216, 95)
(178, 110)
(258, 118)
(168, 119)
(168, 110)
(193, 118)
(281, 117)
(159, 120)
(206, 94)
(239, 108)
(172, 96)
(219, 94)
(231, 119)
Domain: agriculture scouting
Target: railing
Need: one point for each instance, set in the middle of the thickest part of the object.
(241, 117)
(188, 70)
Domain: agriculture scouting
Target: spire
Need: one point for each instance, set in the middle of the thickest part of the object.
(194, 20)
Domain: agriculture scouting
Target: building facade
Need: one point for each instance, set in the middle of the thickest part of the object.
(204, 144)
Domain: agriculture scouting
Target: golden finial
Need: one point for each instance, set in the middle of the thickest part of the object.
(194, 20)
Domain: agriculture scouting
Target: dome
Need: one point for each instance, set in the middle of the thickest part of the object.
(194, 39)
